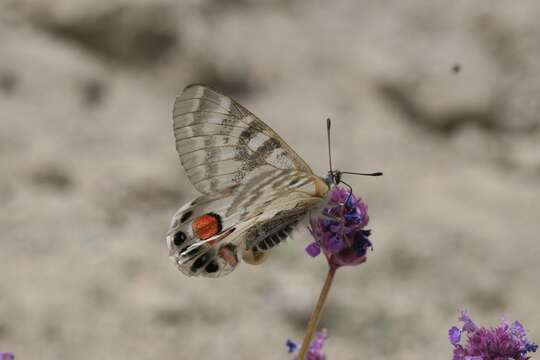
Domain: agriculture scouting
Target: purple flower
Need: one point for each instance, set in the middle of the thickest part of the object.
(313, 249)
(293, 347)
(315, 348)
(506, 341)
(6, 356)
(339, 230)
(454, 335)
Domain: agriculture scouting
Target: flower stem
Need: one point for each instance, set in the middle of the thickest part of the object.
(316, 314)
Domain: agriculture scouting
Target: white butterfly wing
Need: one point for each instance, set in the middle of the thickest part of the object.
(256, 188)
(220, 142)
(209, 235)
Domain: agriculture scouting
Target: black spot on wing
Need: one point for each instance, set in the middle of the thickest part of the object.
(212, 267)
(200, 262)
(248, 134)
(179, 238)
(266, 148)
(186, 216)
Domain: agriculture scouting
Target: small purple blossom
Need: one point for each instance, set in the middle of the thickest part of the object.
(313, 249)
(292, 346)
(315, 348)
(454, 335)
(7, 356)
(506, 341)
(339, 230)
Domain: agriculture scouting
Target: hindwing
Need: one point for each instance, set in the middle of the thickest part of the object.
(210, 235)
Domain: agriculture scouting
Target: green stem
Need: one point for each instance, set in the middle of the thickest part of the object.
(316, 314)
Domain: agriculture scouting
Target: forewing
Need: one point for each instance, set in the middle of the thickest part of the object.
(221, 143)
(210, 235)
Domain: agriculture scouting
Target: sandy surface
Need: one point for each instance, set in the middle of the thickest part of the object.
(443, 97)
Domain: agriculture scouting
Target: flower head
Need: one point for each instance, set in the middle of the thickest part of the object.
(315, 348)
(506, 341)
(6, 356)
(339, 231)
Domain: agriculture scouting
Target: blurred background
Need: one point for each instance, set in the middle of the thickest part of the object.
(443, 96)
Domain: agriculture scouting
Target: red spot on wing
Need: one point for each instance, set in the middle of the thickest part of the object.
(206, 226)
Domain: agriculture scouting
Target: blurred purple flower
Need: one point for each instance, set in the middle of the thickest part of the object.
(293, 347)
(6, 356)
(454, 335)
(339, 230)
(313, 249)
(506, 341)
(315, 348)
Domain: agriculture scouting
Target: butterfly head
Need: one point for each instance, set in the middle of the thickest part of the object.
(333, 178)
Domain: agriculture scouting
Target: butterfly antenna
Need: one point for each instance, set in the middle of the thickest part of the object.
(328, 125)
(378, 173)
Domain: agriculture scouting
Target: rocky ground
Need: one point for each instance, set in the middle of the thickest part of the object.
(443, 97)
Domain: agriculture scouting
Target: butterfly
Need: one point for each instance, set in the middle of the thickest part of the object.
(254, 188)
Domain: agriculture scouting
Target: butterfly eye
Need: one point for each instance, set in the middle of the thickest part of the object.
(179, 238)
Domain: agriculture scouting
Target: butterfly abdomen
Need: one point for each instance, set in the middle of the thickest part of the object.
(274, 239)
(272, 232)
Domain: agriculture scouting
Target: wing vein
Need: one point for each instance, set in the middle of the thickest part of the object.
(210, 147)
(179, 100)
(205, 123)
(201, 111)
(206, 135)
(208, 163)
(213, 177)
